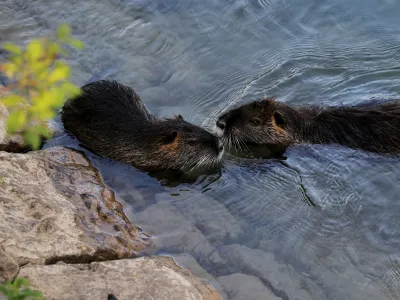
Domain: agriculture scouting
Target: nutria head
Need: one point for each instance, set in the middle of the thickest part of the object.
(178, 145)
(263, 122)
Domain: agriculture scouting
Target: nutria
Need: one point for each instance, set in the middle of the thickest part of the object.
(373, 127)
(110, 119)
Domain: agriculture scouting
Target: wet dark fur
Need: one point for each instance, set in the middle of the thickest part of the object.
(374, 127)
(110, 119)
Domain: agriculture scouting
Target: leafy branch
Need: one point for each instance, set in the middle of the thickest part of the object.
(39, 82)
(19, 290)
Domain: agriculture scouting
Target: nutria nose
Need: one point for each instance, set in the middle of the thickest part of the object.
(221, 124)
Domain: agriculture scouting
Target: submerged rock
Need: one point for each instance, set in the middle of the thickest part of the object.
(146, 278)
(55, 207)
(189, 262)
(175, 233)
(280, 278)
(211, 217)
(246, 287)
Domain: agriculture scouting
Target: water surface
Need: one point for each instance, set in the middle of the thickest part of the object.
(253, 223)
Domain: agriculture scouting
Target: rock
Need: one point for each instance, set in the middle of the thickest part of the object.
(8, 266)
(282, 279)
(14, 142)
(145, 278)
(55, 207)
(245, 287)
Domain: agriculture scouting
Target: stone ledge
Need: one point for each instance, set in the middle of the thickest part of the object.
(145, 278)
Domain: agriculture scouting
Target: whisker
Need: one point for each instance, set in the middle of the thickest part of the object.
(240, 139)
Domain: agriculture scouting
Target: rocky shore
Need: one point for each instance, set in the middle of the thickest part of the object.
(63, 229)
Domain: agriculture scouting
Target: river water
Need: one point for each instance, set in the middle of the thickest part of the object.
(324, 223)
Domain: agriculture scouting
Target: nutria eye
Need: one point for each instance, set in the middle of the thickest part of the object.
(255, 122)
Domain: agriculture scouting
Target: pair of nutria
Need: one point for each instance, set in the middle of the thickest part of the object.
(110, 119)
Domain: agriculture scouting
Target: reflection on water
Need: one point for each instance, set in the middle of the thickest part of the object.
(324, 223)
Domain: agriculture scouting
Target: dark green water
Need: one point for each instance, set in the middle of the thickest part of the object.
(197, 58)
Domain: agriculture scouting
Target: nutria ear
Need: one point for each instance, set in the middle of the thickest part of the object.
(279, 120)
(170, 138)
(179, 117)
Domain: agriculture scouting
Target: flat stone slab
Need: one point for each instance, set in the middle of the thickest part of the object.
(145, 278)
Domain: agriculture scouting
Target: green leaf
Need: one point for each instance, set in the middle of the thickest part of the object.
(70, 90)
(14, 49)
(37, 68)
(16, 120)
(63, 32)
(61, 72)
(58, 97)
(32, 139)
(19, 282)
(43, 131)
(19, 290)
(35, 50)
(76, 44)
(42, 112)
(53, 49)
(28, 293)
(3, 290)
(16, 59)
(11, 100)
(47, 115)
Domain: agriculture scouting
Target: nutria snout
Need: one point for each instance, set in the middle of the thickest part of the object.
(374, 127)
(110, 119)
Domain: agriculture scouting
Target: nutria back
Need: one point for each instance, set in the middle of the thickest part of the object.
(110, 119)
(373, 127)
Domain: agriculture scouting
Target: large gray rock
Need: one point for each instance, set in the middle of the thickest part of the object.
(55, 207)
(246, 287)
(146, 278)
(8, 266)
